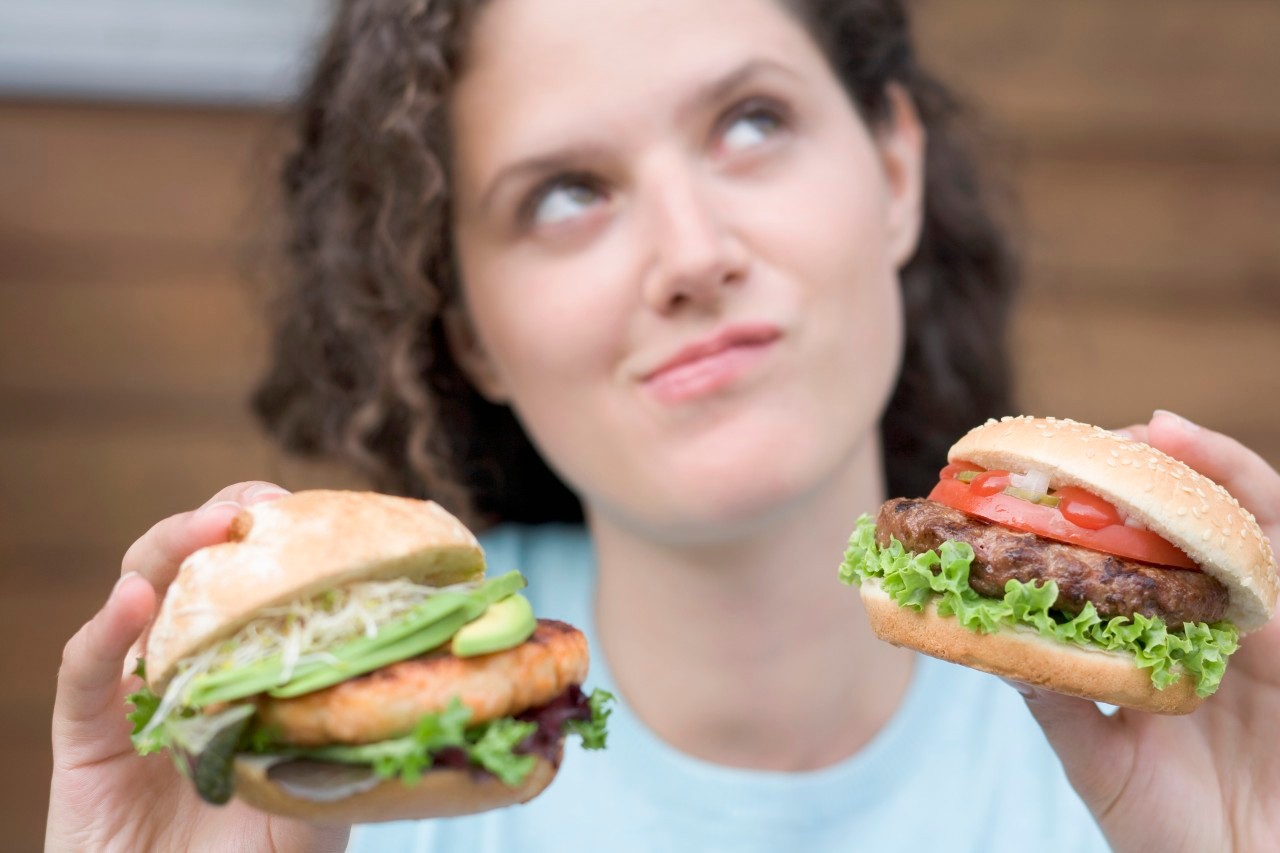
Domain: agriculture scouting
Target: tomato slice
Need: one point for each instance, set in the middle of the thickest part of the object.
(1086, 509)
(1141, 545)
(989, 483)
(954, 469)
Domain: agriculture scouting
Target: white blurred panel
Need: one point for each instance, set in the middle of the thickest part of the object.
(180, 50)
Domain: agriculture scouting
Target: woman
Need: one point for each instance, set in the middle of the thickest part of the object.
(698, 263)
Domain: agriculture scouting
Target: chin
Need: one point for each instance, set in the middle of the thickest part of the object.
(716, 492)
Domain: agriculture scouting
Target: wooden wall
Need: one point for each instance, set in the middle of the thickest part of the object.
(1146, 152)
(1143, 139)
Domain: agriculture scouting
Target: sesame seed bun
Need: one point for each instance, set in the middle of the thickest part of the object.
(1023, 655)
(1169, 497)
(299, 546)
(439, 793)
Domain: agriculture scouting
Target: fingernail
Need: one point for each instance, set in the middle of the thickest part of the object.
(1024, 690)
(263, 492)
(120, 582)
(1186, 425)
(219, 506)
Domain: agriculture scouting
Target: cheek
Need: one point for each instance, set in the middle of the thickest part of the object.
(548, 323)
(835, 239)
(829, 229)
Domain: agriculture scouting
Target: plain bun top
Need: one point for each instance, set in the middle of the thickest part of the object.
(299, 546)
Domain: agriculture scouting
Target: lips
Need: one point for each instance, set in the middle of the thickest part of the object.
(709, 364)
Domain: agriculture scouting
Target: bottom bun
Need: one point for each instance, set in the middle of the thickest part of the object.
(439, 793)
(1023, 655)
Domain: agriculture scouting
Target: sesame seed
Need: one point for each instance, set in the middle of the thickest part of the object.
(1205, 536)
(1111, 463)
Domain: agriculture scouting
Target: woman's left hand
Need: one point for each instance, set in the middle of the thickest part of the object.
(1209, 780)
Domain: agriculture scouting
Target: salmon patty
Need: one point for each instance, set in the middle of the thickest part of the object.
(389, 702)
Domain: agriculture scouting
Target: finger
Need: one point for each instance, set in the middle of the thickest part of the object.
(248, 492)
(1095, 755)
(85, 708)
(158, 553)
(1133, 432)
(1239, 470)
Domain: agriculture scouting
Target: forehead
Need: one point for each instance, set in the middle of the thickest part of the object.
(538, 68)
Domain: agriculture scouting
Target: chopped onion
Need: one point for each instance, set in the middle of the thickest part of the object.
(1134, 522)
(322, 782)
(1035, 482)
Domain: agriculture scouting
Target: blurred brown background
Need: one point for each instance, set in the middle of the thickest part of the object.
(1143, 139)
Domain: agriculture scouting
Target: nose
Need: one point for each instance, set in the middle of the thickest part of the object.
(695, 254)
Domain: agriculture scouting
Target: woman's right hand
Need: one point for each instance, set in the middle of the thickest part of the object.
(106, 797)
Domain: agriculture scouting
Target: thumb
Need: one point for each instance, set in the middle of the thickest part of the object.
(1092, 747)
(89, 722)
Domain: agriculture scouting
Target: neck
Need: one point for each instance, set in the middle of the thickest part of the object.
(748, 652)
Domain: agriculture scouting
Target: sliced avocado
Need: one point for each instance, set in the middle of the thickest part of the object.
(365, 655)
(506, 624)
(427, 626)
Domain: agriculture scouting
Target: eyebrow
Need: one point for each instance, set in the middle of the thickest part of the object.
(563, 158)
(724, 86)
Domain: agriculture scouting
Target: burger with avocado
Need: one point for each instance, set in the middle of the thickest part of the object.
(1068, 557)
(343, 658)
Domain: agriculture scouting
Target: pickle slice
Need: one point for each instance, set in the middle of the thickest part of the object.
(1032, 497)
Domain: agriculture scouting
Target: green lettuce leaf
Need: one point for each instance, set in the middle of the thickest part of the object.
(494, 750)
(593, 732)
(406, 757)
(490, 745)
(942, 577)
(145, 704)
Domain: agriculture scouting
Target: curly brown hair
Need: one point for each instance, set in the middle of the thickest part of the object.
(360, 367)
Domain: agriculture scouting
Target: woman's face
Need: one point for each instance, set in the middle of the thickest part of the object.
(679, 247)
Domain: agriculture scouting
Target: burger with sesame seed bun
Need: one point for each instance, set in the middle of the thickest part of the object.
(1071, 558)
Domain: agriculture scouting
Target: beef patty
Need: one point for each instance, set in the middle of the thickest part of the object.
(1116, 586)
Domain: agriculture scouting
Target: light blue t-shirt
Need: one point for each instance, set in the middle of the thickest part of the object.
(962, 766)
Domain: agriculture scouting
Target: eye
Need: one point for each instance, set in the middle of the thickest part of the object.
(561, 199)
(751, 125)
